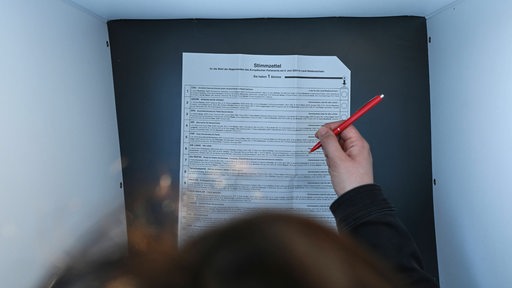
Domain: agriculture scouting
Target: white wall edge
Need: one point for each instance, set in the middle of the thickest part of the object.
(85, 10)
(444, 8)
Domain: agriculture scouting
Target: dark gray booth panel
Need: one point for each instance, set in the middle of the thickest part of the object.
(386, 55)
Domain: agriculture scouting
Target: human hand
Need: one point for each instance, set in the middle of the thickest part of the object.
(348, 158)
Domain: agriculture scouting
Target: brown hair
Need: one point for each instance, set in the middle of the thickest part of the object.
(279, 250)
(262, 250)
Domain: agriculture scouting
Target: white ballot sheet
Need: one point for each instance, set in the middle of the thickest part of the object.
(248, 122)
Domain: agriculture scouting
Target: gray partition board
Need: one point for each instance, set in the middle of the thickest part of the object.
(385, 55)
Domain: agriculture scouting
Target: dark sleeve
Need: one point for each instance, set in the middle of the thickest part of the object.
(369, 217)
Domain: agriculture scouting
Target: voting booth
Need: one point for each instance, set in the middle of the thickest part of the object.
(97, 107)
(382, 55)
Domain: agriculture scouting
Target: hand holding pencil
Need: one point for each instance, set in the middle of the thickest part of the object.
(348, 158)
(347, 153)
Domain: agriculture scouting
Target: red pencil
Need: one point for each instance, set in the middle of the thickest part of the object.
(369, 105)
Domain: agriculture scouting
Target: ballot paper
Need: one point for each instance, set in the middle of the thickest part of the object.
(248, 122)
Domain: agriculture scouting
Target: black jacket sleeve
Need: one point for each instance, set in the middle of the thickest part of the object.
(369, 217)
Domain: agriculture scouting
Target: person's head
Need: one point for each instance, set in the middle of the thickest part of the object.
(262, 250)
(279, 250)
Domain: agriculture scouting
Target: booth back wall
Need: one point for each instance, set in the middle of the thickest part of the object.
(385, 55)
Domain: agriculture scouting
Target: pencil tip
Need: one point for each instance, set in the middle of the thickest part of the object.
(381, 95)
